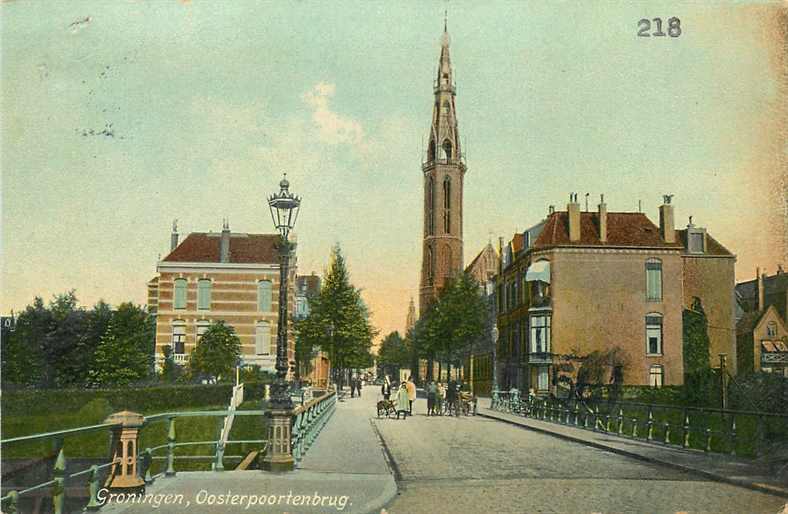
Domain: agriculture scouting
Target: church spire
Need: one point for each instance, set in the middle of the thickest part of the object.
(444, 139)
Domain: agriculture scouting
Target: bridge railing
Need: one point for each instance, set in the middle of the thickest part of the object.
(735, 432)
(133, 465)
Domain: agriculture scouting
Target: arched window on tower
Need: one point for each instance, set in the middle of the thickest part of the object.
(445, 107)
(447, 205)
(430, 206)
(447, 149)
(430, 265)
(431, 150)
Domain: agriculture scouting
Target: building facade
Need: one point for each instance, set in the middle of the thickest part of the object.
(607, 282)
(761, 330)
(226, 276)
(443, 173)
(478, 367)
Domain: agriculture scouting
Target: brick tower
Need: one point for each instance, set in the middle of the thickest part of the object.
(444, 171)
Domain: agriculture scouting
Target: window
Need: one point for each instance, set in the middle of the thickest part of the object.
(179, 300)
(204, 294)
(430, 206)
(262, 338)
(264, 296)
(654, 280)
(695, 241)
(540, 334)
(447, 149)
(771, 329)
(656, 375)
(542, 379)
(179, 337)
(447, 205)
(654, 334)
(202, 328)
(430, 265)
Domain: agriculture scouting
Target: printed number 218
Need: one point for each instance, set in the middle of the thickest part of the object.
(674, 27)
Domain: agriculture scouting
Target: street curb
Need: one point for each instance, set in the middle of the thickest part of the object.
(393, 468)
(764, 488)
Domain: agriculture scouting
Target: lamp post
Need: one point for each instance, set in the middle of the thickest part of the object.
(284, 212)
(494, 356)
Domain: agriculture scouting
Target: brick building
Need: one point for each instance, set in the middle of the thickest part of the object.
(227, 276)
(580, 282)
(761, 331)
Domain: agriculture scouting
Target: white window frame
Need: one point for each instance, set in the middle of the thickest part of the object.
(653, 328)
(179, 336)
(261, 347)
(265, 302)
(540, 323)
(204, 294)
(654, 286)
(542, 378)
(201, 328)
(656, 375)
(180, 284)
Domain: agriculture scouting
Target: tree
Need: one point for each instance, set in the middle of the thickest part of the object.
(125, 353)
(338, 321)
(22, 353)
(65, 344)
(393, 354)
(699, 380)
(454, 321)
(170, 370)
(217, 352)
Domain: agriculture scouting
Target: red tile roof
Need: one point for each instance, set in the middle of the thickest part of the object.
(623, 229)
(244, 248)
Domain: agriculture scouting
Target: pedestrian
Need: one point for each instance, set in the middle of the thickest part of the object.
(451, 398)
(352, 387)
(411, 387)
(385, 389)
(439, 399)
(432, 393)
(403, 403)
(358, 387)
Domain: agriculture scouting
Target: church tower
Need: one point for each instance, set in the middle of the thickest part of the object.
(443, 171)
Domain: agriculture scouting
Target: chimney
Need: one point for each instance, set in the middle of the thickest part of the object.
(602, 219)
(761, 297)
(666, 226)
(224, 242)
(174, 235)
(573, 210)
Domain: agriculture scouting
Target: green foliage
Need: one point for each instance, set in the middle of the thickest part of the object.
(170, 370)
(22, 358)
(125, 352)
(699, 380)
(393, 354)
(217, 352)
(453, 322)
(597, 367)
(338, 321)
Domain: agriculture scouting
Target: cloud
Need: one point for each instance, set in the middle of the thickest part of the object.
(332, 127)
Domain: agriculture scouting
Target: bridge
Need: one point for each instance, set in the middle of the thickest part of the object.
(510, 457)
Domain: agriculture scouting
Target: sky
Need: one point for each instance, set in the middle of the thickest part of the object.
(118, 117)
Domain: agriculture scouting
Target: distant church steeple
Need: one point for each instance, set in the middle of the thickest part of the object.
(410, 321)
(443, 173)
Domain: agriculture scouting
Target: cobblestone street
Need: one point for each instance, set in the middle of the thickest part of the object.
(473, 464)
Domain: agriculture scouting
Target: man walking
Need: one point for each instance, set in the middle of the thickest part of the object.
(451, 398)
(411, 394)
(385, 389)
(432, 393)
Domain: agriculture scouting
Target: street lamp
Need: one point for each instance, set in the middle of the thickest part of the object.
(494, 355)
(284, 212)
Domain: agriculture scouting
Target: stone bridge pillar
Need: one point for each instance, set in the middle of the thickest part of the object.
(124, 474)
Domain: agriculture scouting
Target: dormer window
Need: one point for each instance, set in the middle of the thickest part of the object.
(696, 239)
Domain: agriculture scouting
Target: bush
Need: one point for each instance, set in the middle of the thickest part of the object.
(148, 400)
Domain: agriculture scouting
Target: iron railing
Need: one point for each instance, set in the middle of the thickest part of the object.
(735, 432)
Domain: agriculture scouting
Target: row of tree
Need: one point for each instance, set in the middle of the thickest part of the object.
(64, 345)
(455, 323)
(338, 322)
